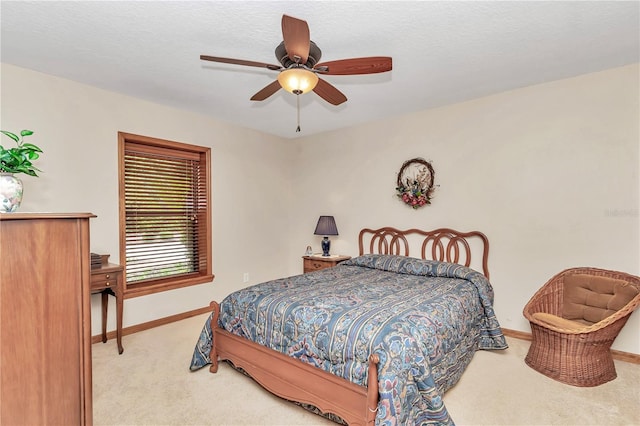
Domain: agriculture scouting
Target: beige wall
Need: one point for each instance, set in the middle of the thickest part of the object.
(549, 173)
(77, 125)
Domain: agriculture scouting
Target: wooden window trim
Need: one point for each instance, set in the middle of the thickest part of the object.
(153, 145)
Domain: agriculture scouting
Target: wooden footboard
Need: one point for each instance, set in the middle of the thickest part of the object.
(292, 379)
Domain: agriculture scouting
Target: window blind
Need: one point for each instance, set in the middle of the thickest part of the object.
(165, 212)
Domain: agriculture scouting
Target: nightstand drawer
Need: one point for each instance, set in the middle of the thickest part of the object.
(317, 263)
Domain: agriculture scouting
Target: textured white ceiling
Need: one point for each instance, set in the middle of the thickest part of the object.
(443, 52)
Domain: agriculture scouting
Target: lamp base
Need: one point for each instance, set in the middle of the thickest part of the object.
(326, 244)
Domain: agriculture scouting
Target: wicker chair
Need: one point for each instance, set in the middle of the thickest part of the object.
(575, 317)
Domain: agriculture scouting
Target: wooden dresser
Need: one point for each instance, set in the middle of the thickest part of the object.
(45, 314)
(318, 262)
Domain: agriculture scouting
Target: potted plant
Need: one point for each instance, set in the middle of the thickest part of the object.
(14, 161)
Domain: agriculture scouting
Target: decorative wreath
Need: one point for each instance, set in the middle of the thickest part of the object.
(415, 183)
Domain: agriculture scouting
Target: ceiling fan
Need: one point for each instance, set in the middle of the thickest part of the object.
(299, 69)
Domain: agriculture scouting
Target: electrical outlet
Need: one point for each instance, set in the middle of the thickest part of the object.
(245, 277)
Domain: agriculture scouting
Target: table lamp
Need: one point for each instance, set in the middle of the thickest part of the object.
(326, 226)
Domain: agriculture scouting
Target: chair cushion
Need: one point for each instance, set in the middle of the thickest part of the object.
(592, 298)
(559, 322)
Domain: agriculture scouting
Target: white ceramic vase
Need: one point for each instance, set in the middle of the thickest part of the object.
(10, 193)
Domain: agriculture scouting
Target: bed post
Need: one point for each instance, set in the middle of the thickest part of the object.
(213, 355)
(372, 390)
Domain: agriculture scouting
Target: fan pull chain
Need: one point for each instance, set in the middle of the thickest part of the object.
(298, 104)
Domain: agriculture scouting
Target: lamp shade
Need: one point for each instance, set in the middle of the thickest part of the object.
(297, 80)
(326, 226)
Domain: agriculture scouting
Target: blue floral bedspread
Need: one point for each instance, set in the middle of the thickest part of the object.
(424, 319)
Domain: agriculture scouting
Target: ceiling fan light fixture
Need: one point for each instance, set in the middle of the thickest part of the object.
(297, 80)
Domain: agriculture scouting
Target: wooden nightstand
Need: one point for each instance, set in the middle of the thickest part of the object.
(318, 262)
(108, 280)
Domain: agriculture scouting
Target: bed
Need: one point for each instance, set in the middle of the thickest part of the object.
(377, 339)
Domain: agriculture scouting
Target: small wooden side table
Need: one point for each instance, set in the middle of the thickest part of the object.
(108, 279)
(318, 262)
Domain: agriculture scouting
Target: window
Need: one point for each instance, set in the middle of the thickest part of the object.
(165, 216)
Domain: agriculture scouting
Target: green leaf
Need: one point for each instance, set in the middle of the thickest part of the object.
(26, 133)
(11, 135)
(32, 147)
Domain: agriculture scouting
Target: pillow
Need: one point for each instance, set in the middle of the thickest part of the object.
(593, 298)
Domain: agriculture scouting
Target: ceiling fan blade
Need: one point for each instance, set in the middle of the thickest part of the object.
(266, 91)
(240, 62)
(295, 33)
(368, 65)
(329, 93)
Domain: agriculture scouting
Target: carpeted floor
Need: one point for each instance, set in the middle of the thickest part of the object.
(150, 384)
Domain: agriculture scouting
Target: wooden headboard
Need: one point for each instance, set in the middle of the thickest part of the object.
(444, 244)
